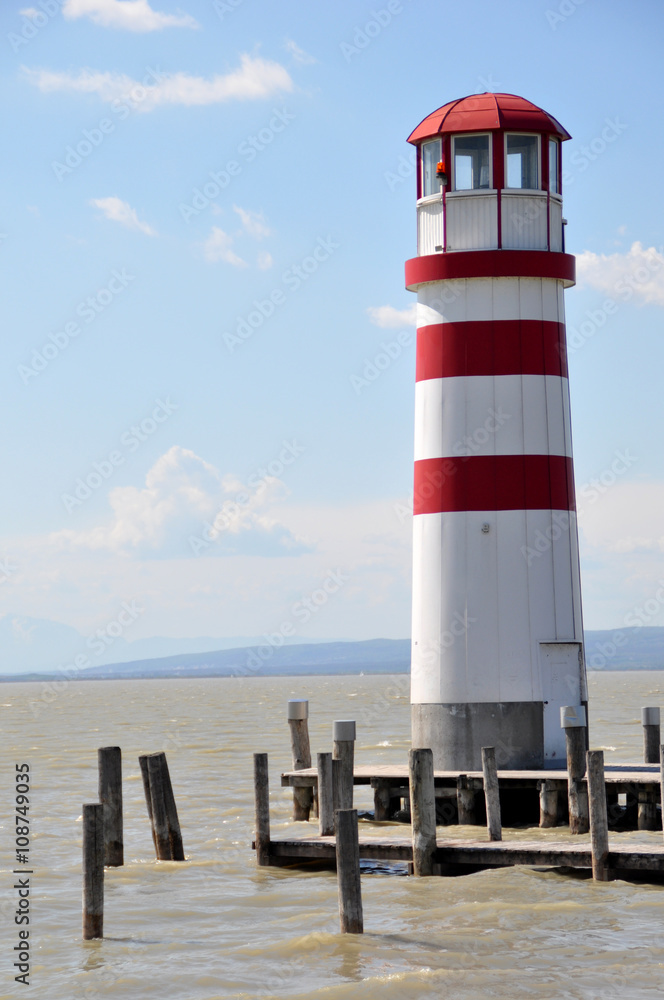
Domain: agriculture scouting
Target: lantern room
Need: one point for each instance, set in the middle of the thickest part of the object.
(489, 176)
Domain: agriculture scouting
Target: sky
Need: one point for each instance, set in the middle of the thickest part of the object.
(208, 349)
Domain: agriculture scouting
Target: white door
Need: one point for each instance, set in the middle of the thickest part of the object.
(561, 669)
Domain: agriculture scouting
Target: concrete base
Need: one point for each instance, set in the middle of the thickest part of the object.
(457, 733)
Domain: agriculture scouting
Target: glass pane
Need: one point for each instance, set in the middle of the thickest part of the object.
(471, 162)
(522, 161)
(554, 186)
(430, 157)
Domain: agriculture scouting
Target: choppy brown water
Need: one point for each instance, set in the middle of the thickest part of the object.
(216, 926)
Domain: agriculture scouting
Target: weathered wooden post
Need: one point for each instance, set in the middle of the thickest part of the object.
(109, 761)
(599, 825)
(348, 872)
(422, 810)
(159, 816)
(325, 795)
(343, 749)
(298, 723)
(548, 796)
(172, 820)
(93, 871)
(262, 803)
(651, 737)
(573, 721)
(491, 793)
(465, 800)
(143, 764)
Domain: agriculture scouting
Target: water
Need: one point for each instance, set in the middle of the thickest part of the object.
(216, 926)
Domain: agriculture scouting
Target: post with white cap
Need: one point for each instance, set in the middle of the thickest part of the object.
(343, 749)
(298, 722)
(573, 721)
(651, 734)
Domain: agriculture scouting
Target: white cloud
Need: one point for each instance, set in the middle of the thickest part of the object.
(253, 223)
(256, 78)
(638, 274)
(264, 260)
(388, 316)
(121, 211)
(298, 54)
(182, 494)
(218, 247)
(130, 15)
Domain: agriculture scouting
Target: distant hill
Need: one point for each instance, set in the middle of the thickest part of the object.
(617, 649)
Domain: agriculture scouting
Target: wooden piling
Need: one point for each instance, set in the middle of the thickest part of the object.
(382, 799)
(172, 821)
(465, 801)
(548, 796)
(348, 872)
(491, 793)
(422, 810)
(325, 795)
(93, 871)
(651, 738)
(143, 764)
(647, 809)
(159, 815)
(573, 721)
(298, 723)
(343, 749)
(599, 826)
(109, 760)
(262, 803)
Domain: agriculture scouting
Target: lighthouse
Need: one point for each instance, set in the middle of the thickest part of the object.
(497, 635)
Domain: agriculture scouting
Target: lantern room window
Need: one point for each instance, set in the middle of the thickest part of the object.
(522, 154)
(470, 154)
(554, 178)
(431, 154)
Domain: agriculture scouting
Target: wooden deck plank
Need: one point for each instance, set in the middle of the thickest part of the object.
(549, 854)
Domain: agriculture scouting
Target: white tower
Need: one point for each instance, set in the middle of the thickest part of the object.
(497, 630)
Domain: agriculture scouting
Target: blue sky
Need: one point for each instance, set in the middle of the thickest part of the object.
(206, 208)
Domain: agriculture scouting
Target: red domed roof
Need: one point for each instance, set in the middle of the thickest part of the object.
(481, 112)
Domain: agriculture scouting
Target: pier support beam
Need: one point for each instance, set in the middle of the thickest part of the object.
(599, 826)
(422, 810)
(491, 793)
(325, 795)
(343, 735)
(298, 723)
(351, 918)
(465, 801)
(573, 721)
(651, 737)
(262, 807)
(548, 795)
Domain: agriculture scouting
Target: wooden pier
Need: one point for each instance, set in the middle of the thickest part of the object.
(527, 797)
